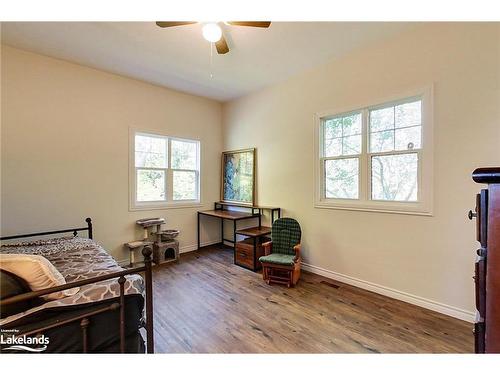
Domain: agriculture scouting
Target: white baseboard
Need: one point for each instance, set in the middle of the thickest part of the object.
(189, 248)
(442, 308)
(182, 250)
(393, 293)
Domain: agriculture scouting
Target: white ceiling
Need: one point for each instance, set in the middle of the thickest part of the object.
(179, 57)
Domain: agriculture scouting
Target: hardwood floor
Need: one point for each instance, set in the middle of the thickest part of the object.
(206, 304)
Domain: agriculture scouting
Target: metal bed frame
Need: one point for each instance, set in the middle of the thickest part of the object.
(85, 318)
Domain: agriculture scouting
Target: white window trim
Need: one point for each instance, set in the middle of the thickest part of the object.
(161, 205)
(424, 204)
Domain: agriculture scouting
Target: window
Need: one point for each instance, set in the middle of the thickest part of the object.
(341, 149)
(377, 158)
(165, 171)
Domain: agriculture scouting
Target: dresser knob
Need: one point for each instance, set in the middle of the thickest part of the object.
(472, 215)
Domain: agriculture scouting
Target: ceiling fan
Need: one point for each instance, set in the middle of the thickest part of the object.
(213, 32)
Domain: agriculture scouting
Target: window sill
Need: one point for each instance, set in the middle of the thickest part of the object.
(374, 208)
(166, 206)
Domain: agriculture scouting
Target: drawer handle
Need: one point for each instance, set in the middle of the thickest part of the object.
(481, 252)
(472, 214)
(243, 255)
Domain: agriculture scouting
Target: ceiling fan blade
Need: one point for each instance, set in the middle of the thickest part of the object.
(173, 23)
(221, 46)
(264, 24)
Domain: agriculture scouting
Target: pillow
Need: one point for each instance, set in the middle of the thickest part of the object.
(10, 286)
(38, 272)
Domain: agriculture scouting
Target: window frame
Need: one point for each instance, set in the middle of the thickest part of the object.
(169, 202)
(424, 203)
(324, 159)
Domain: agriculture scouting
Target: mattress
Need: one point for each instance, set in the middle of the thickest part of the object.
(78, 259)
(103, 329)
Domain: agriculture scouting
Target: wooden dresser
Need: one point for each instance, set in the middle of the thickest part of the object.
(487, 269)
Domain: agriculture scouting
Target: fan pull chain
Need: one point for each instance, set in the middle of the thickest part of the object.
(211, 59)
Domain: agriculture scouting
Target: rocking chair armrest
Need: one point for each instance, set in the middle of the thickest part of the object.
(297, 249)
(267, 247)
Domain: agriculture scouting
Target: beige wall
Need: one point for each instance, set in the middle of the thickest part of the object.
(65, 153)
(420, 259)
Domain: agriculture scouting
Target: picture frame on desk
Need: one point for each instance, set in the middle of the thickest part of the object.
(238, 177)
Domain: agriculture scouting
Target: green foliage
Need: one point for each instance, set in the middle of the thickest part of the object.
(238, 177)
(392, 128)
(150, 153)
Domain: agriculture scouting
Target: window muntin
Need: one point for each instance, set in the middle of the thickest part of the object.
(185, 170)
(342, 138)
(150, 151)
(393, 168)
(394, 131)
(396, 127)
(151, 159)
(342, 135)
(166, 171)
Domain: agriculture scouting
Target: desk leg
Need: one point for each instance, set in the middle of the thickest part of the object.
(234, 240)
(198, 230)
(222, 231)
(254, 254)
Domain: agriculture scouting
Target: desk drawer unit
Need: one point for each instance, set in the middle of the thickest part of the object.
(248, 252)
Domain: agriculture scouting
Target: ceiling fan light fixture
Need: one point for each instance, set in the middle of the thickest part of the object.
(212, 32)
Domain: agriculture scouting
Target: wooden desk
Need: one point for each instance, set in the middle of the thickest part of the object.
(229, 215)
(259, 209)
(222, 214)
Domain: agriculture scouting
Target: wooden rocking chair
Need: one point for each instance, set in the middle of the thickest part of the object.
(281, 262)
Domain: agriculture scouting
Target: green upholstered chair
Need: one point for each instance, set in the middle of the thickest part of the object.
(281, 262)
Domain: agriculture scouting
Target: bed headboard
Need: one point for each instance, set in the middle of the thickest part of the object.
(75, 231)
